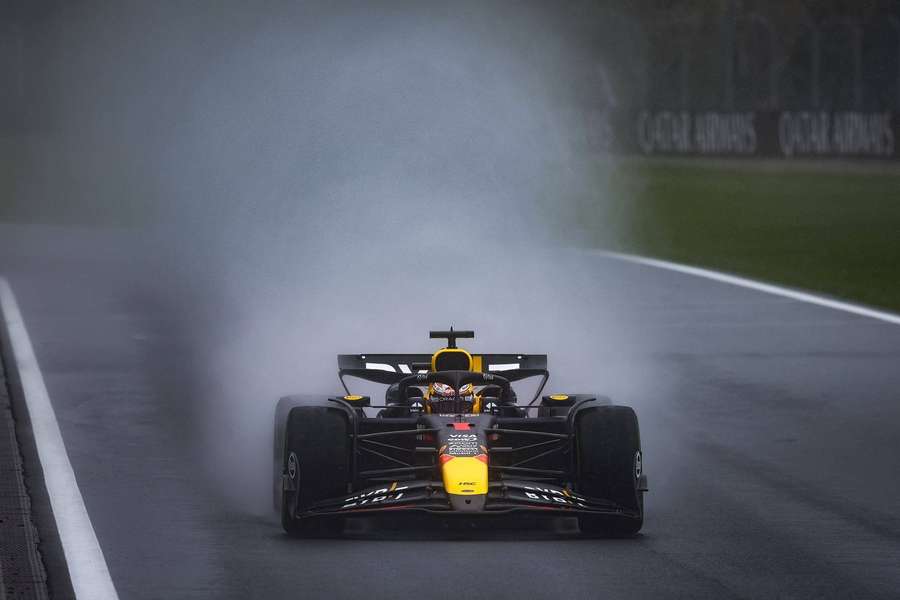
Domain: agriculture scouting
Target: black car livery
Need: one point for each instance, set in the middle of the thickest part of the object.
(451, 439)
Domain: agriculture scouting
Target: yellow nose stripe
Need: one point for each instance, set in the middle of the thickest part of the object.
(465, 474)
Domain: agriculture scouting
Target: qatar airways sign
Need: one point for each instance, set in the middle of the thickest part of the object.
(682, 132)
(772, 134)
(836, 134)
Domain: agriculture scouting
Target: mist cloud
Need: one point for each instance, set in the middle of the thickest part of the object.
(313, 179)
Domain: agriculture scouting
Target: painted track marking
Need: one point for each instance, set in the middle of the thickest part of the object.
(88, 571)
(759, 286)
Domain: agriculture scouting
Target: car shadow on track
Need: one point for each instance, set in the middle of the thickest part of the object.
(430, 530)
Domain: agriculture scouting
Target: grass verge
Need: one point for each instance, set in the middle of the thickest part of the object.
(826, 230)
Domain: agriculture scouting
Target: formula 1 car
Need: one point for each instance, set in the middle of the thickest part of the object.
(452, 440)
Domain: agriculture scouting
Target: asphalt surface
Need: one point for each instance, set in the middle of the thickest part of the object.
(771, 435)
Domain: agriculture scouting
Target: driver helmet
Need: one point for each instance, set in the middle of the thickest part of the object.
(445, 400)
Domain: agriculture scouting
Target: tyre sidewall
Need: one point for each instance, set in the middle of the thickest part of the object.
(318, 439)
(609, 464)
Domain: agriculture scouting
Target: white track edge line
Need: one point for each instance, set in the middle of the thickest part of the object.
(88, 571)
(759, 286)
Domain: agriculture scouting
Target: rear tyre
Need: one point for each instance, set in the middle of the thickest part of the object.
(610, 467)
(316, 468)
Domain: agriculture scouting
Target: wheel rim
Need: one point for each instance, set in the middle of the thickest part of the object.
(293, 473)
(293, 467)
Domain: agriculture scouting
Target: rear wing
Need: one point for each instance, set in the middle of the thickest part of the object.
(391, 368)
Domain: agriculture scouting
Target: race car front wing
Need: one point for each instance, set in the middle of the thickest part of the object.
(502, 497)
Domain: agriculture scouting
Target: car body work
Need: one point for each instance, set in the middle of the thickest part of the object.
(560, 454)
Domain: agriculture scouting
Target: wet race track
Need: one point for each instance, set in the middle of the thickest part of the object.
(769, 429)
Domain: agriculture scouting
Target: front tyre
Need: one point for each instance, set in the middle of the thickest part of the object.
(316, 468)
(610, 466)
